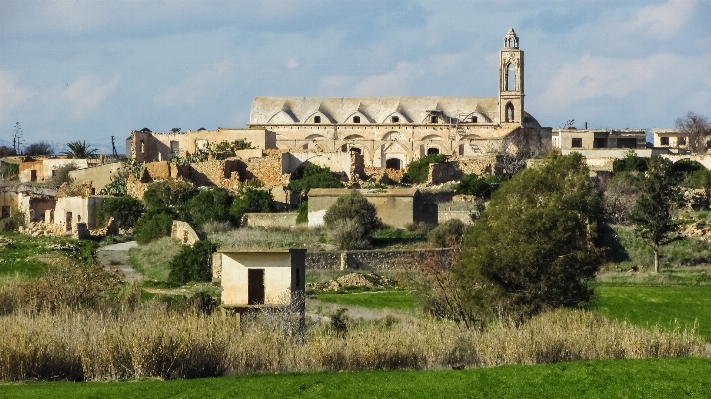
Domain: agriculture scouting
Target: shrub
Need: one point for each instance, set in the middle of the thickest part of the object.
(630, 163)
(125, 210)
(303, 214)
(12, 223)
(211, 205)
(339, 322)
(10, 171)
(472, 184)
(447, 234)
(620, 194)
(353, 206)
(313, 176)
(251, 200)
(193, 263)
(61, 175)
(216, 227)
(349, 234)
(167, 195)
(418, 171)
(153, 225)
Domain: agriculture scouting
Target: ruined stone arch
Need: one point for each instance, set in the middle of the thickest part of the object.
(354, 137)
(394, 150)
(282, 117)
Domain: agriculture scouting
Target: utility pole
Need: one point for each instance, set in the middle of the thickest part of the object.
(113, 146)
(17, 139)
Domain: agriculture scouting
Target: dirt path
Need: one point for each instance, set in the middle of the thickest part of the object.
(115, 258)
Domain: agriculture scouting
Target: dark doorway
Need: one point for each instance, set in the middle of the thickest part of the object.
(33, 175)
(69, 221)
(627, 143)
(356, 150)
(600, 142)
(393, 163)
(255, 286)
(431, 151)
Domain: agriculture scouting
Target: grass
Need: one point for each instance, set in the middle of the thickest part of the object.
(24, 255)
(152, 259)
(648, 378)
(627, 251)
(400, 300)
(259, 238)
(666, 306)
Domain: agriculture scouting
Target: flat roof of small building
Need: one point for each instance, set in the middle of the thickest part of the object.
(263, 251)
(367, 192)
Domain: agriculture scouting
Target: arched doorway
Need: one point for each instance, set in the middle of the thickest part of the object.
(393, 163)
(432, 151)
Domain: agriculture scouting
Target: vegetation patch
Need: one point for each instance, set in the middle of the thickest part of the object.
(400, 300)
(153, 259)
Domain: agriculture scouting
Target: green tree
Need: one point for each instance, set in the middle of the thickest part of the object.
(471, 184)
(251, 200)
(125, 210)
(532, 248)
(79, 150)
(652, 213)
(39, 148)
(208, 205)
(192, 263)
(630, 163)
(418, 171)
(166, 196)
(353, 218)
(313, 176)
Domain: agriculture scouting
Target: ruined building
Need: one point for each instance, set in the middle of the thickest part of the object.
(393, 131)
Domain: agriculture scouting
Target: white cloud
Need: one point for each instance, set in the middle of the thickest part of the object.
(198, 86)
(293, 63)
(663, 20)
(393, 83)
(12, 95)
(87, 93)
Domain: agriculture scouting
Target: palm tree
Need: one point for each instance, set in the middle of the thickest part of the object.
(79, 149)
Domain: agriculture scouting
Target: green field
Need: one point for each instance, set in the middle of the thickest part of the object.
(21, 257)
(646, 378)
(374, 300)
(666, 306)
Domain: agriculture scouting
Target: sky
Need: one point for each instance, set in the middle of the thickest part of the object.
(89, 70)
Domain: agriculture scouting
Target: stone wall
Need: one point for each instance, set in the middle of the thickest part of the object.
(361, 260)
(98, 176)
(220, 173)
(464, 216)
(268, 169)
(481, 165)
(373, 260)
(269, 219)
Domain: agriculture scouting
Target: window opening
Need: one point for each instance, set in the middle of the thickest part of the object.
(395, 119)
(510, 78)
(681, 141)
(356, 150)
(474, 119)
(600, 142)
(665, 140)
(393, 163)
(431, 151)
(33, 175)
(627, 143)
(317, 119)
(433, 119)
(356, 119)
(577, 143)
(174, 146)
(143, 147)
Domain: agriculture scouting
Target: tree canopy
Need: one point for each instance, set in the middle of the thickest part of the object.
(39, 148)
(696, 128)
(79, 150)
(532, 248)
(313, 176)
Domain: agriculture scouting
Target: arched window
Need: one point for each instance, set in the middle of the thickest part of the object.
(356, 119)
(509, 112)
(432, 150)
(510, 78)
(317, 119)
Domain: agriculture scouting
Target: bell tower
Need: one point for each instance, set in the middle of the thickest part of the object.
(511, 81)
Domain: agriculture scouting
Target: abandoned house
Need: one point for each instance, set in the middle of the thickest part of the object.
(40, 169)
(392, 132)
(675, 141)
(261, 278)
(396, 207)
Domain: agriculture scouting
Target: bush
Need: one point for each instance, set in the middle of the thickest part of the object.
(193, 263)
(353, 206)
(125, 210)
(10, 171)
(418, 171)
(153, 225)
(313, 176)
(533, 246)
(12, 223)
(447, 234)
(630, 163)
(211, 205)
(166, 196)
(61, 175)
(303, 214)
(349, 234)
(251, 200)
(620, 194)
(472, 184)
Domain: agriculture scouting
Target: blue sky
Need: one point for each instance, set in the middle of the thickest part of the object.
(87, 70)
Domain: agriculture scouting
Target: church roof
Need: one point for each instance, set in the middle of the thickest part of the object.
(287, 110)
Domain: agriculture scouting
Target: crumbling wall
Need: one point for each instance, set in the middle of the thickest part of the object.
(220, 173)
(135, 188)
(374, 259)
(269, 219)
(268, 169)
(481, 165)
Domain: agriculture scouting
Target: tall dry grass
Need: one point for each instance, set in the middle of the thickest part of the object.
(149, 341)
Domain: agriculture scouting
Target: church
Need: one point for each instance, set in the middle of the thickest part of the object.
(390, 132)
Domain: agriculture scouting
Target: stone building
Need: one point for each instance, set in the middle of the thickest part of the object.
(675, 141)
(146, 146)
(40, 169)
(392, 132)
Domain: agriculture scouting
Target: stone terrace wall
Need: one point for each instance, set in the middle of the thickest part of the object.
(269, 219)
(373, 260)
(481, 165)
(221, 173)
